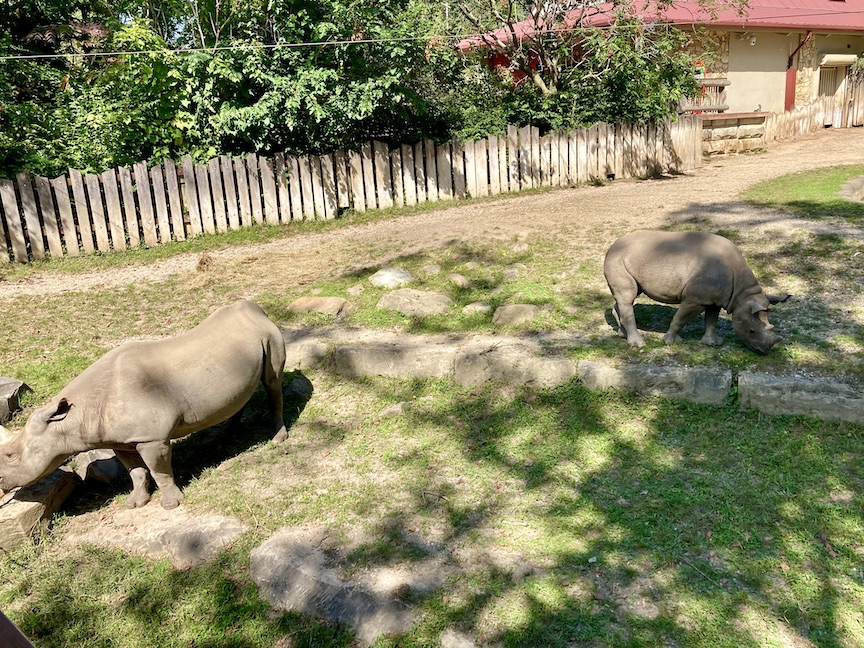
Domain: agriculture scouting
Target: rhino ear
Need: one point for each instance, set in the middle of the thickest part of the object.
(59, 412)
(755, 307)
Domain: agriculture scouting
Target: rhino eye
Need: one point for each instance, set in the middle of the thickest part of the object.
(11, 457)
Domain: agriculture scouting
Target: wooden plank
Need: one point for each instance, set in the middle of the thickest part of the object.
(555, 162)
(268, 191)
(145, 204)
(383, 180)
(113, 209)
(244, 204)
(444, 162)
(494, 175)
(409, 180)
(328, 180)
(229, 186)
(97, 212)
(584, 154)
(481, 166)
(67, 218)
(420, 172)
(545, 159)
(163, 219)
(175, 206)
(502, 163)
(31, 215)
(130, 210)
(396, 174)
(190, 196)
(220, 213)
(457, 166)
(282, 188)
(526, 176)
(343, 180)
(573, 157)
(82, 210)
(513, 182)
(355, 164)
(50, 222)
(535, 156)
(13, 220)
(431, 171)
(293, 169)
(470, 168)
(317, 186)
(4, 248)
(368, 175)
(306, 186)
(205, 200)
(618, 158)
(254, 188)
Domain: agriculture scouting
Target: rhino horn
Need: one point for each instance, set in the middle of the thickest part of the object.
(763, 317)
(5, 435)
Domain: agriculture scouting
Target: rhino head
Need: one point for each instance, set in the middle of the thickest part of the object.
(37, 450)
(750, 321)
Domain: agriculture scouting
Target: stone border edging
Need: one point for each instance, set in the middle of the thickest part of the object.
(539, 361)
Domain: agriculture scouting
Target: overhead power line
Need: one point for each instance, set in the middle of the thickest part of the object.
(361, 41)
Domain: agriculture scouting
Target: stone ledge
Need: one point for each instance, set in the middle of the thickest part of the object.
(790, 395)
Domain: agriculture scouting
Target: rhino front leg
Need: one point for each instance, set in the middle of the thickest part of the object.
(686, 311)
(711, 315)
(157, 457)
(139, 475)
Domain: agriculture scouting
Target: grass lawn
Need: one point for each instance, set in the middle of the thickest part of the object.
(561, 517)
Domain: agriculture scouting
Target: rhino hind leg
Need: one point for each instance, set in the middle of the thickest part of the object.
(157, 458)
(132, 461)
(274, 370)
(626, 318)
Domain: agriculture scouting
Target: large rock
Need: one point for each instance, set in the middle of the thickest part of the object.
(10, 390)
(509, 361)
(100, 466)
(698, 384)
(415, 303)
(335, 306)
(293, 575)
(825, 399)
(21, 510)
(391, 278)
(515, 314)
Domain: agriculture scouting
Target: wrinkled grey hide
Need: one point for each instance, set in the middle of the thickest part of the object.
(700, 271)
(139, 396)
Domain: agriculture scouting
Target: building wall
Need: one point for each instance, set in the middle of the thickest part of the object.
(757, 72)
(808, 59)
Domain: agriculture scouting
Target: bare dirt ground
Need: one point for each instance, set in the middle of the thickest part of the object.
(577, 215)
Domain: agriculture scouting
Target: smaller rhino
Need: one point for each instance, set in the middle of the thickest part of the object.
(699, 270)
(139, 396)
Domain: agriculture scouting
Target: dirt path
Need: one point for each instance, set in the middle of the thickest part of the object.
(571, 214)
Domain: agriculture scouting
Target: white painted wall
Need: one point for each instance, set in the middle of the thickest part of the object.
(757, 73)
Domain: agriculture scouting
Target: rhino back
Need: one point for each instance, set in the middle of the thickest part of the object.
(670, 267)
(140, 391)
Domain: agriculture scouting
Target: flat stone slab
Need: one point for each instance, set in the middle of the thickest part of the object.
(22, 509)
(415, 303)
(825, 399)
(186, 540)
(403, 358)
(511, 361)
(10, 391)
(515, 314)
(292, 574)
(695, 384)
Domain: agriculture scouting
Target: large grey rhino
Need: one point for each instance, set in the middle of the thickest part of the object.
(699, 270)
(139, 396)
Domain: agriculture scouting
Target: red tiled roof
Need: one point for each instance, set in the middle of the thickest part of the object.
(827, 15)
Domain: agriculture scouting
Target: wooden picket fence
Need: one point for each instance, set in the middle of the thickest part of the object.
(824, 112)
(124, 208)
